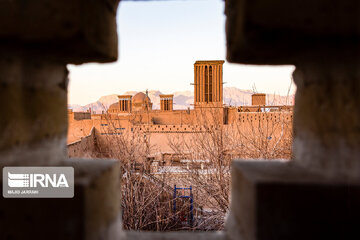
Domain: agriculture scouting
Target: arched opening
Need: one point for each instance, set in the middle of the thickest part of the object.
(206, 87)
(210, 97)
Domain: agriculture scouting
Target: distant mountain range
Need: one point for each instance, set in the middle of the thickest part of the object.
(184, 99)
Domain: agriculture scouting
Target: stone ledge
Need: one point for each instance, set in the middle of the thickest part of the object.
(132, 235)
(47, 152)
(282, 32)
(77, 31)
(33, 92)
(277, 200)
(93, 213)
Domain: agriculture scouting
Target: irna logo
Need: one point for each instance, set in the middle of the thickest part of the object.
(37, 180)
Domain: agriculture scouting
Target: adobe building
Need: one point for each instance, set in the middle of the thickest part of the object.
(135, 113)
(208, 81)
(208, 99)
(208, 91)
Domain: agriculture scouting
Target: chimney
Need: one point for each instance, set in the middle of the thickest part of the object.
(258, 99)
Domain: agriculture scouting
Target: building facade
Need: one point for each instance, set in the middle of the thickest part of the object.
(135, 113)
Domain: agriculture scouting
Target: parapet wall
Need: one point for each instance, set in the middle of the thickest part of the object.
(82, 115)
(85, 147)
(170, 128)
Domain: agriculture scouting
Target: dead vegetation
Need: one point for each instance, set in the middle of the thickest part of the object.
(205, 158)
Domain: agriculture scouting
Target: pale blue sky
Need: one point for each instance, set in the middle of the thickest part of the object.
(158, 43)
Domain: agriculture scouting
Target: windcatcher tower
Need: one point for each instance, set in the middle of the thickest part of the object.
(125, 103)
(208, 84)
(166, 102)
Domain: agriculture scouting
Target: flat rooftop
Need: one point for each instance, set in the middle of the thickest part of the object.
(210, 61)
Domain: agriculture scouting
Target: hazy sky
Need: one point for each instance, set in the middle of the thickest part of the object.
(158, 44)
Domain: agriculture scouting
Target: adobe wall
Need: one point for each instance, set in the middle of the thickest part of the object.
(246, 128)
(78, 129)
(170, 117)
(271, 117)
(85, 147)
(82, 115)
